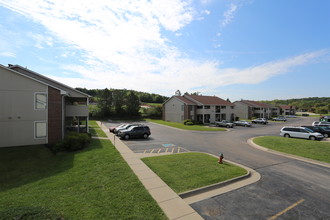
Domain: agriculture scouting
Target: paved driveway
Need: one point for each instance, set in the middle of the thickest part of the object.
(288, 189)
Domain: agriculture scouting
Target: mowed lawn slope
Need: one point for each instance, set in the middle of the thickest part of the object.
(94, 183)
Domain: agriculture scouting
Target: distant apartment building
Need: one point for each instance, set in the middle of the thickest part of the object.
(36, 109)
(247, 109)
(288, 109)
(205, 109)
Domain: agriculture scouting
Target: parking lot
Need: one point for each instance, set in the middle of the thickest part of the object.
(284, 181)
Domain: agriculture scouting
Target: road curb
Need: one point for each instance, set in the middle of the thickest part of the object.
(213, 186)
(307, 160)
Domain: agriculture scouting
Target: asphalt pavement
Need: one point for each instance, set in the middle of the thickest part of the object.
(288, 188)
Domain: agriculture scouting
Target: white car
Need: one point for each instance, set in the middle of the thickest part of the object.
(321, 123)
(300, 132)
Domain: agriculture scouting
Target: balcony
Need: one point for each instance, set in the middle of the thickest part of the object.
(76, 110)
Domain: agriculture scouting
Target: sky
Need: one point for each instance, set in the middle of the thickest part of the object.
(236, 49)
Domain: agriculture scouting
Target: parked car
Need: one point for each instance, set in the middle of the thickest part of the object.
(322, 130)
(138, 131)
(279, 119)
(243, 123)
(116, 130)
(321, 123)
(260, 121)
(111, 129)
(300, 132)
(224, 123)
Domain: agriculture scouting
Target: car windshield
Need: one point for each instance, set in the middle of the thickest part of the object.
(309, 130)
(122, 125)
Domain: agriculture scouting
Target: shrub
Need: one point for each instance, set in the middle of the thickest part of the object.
(188, 121)
(73, 141)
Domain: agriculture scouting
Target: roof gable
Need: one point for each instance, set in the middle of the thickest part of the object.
(38, 77)
(255, 104)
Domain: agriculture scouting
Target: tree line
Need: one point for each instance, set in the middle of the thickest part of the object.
(122, 103)
(319, 105)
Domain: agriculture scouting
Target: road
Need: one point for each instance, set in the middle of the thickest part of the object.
(288, 188)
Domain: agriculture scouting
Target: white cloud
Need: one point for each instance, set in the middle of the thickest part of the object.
(7, 54)
(41, 40)
(229, 15)
(123, 45)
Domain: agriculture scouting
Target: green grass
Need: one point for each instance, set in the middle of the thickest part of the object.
(95, 183)
(186, 127)
(187, 171)
(95, 130)
(315, 150)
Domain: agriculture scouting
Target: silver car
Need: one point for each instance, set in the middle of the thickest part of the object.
(300, 132)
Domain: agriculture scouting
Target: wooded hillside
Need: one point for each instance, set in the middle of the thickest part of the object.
(320, 105)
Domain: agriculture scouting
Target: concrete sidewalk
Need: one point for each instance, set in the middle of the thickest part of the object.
(171, 203)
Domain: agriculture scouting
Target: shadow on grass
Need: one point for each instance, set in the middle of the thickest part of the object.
(25, 164)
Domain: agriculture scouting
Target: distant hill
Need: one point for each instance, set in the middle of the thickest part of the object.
(319, 105)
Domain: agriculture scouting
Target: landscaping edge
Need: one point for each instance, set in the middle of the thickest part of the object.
(307, 160)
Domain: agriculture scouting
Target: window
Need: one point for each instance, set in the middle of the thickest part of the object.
(40, 101)
(182, 107)
(40, 129)
(223, 107)
(199, 107)
(207, 107)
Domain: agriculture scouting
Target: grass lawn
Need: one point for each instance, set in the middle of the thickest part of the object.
(94, 183)
(95, 130)
(186, 127)
(187, 171)
(315, 150)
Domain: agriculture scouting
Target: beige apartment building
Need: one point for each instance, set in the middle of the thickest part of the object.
(38, 110)
(206, 109)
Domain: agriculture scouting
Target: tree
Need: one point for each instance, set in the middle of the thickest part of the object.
(105, 102)
(132, 104)
(119, 101)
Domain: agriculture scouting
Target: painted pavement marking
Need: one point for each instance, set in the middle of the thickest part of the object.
(287, 209)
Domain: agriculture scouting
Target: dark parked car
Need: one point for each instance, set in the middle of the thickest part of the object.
(127, 126)
(322, 130)
(139, 131)
(243, 123)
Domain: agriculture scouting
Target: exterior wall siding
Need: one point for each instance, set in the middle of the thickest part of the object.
(174, 110)
(17, 112)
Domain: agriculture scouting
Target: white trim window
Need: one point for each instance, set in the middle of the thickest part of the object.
(40, 100)
(40, 129)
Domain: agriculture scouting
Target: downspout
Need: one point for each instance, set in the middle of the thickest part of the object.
(87, 128)
(63, 93)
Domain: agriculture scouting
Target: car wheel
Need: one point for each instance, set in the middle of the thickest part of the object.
(245, 125)
(228, 126)
(325, 135)
(126, 137)
(312, 138)
(287, 135)
(145, 136)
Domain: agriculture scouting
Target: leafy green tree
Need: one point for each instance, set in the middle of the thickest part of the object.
(119, 97)
(132, 104)
(105, 102)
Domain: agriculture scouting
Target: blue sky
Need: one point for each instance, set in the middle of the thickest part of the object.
(236, 49)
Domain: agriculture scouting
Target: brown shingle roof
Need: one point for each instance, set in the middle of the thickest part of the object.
(185, 100)
(256, 104)
(287, 107)
(208, 100)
